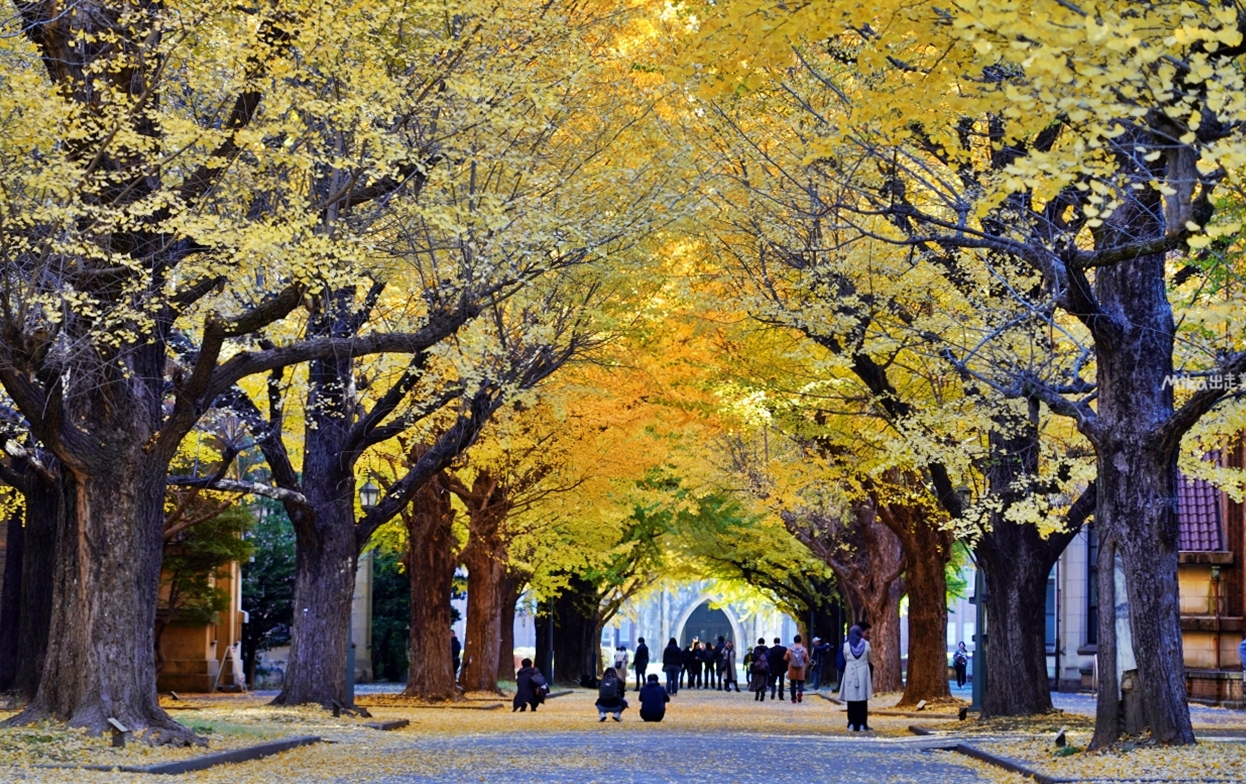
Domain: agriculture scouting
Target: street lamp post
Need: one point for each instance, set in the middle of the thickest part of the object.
(369, 496)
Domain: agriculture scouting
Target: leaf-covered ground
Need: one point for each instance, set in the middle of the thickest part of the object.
(707, 735)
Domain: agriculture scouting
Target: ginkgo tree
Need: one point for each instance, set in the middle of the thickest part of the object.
(1062, 150)
(185, 182)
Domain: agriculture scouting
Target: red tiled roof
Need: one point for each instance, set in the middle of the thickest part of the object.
(1198, 513)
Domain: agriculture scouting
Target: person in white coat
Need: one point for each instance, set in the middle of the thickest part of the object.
(858, 685)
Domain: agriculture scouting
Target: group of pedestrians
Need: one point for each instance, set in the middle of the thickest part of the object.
(708, 666)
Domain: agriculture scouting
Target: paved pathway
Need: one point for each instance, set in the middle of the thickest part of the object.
(708, 736)
(616, 755)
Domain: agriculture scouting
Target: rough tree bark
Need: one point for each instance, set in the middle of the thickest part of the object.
(577, 632)
(1016, 562)
(1136, 438)
(1107, 707)
(512, 585)
(10, 601)
(485, 559)
(867, 560)
(431, 560)
(927, 549)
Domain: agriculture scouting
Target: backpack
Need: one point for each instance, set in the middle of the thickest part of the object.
(760, 664)
(609, 689)
(796, 657)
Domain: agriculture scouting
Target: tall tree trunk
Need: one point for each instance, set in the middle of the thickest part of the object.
(542, 621)
(927, 550)
(326, 546)
(11, 601)
(485, 559)
(1136, 437)
(867, 559)
(1145, 490)
(882, 610)
(925, 582)
(430, 563)
(484, 619)
(325, 560)
(1016, 562)
(511, 586)
(48, 501)
(577, 635)
(100, 661)
(1107, 708)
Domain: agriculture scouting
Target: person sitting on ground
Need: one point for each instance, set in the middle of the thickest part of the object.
(653, 699)
(610, 696)
(529, 688)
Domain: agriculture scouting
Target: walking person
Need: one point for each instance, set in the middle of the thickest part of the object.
(797, 660)
(960, 660)
(760, 667)
(857, 685)
(727, 667)
(817, 662)
(672, 665)
(777, 657)
(529, 688)
(456, 652)
(620, 665)
(748, 669)
(610, 696)
(653, 699)
(641, 661)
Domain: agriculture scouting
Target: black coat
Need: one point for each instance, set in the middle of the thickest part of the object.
(672, 657)
(691, 660)
(653, 699)
(777, 665)
(528, 683)
(641, 659)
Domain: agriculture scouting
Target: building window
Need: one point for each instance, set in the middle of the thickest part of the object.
(1092, 586)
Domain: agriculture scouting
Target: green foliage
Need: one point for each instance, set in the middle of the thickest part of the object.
(391, 616)
(195, 557)
(268, 582)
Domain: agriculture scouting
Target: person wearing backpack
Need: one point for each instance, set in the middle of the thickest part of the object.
(530, 688)
(797, 660)
(960, 660)
(610, 696)
(760, 669)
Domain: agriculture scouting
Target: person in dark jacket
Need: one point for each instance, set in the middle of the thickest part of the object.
(529, 688)
(777, 671)
(653, 699)
(760, 668)
(709, 665)
(817, 662)
(610, 696)
(672, 665)
(640, 662)
(692, 666)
